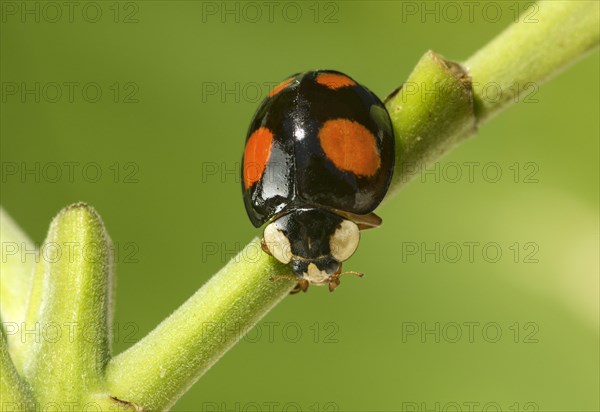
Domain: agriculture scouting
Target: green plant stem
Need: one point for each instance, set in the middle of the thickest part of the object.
(15, 393)
(159, 368)
(442, 103)
(196, 335)
(16, 270)
(431, 113)
(550, 37)
(72, 305)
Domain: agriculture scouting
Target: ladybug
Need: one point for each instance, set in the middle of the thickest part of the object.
(318, 159)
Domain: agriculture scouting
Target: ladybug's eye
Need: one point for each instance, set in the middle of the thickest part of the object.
(344, 241)
(277, 243)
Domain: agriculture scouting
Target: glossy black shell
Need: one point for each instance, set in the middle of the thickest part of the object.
(298, 173)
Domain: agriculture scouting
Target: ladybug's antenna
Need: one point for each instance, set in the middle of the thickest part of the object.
(351, 272)
(334, 280)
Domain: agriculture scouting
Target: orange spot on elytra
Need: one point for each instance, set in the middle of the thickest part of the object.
(256, 155)
(350, 146)
(334, 80)
(280, 87)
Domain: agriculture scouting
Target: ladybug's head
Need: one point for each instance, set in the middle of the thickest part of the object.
(316, 271)
(315, 242)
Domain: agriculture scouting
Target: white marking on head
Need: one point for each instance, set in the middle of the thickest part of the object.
(314, 275)
(277, 243)
(344, 241)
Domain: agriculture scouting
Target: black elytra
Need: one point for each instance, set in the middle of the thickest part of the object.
(319, 151)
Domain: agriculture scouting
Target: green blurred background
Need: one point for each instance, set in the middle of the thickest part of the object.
(179, 83)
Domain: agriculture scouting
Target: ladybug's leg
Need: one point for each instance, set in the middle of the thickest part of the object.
(301, 286)
(334, 280)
